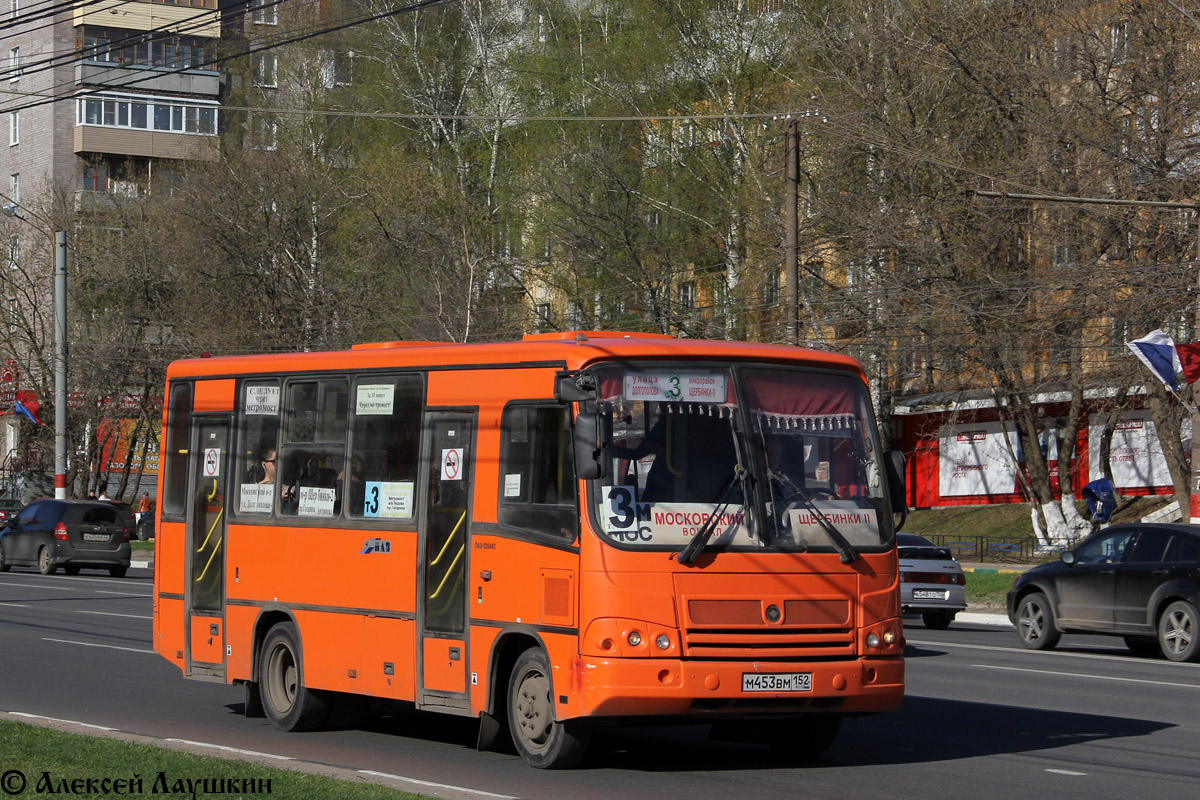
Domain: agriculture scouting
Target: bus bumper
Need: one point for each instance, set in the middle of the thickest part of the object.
(667, 687)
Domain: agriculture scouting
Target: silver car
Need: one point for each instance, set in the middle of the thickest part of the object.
(932, 583)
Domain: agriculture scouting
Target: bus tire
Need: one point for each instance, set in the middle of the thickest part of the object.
(543, 741)
(286, 701)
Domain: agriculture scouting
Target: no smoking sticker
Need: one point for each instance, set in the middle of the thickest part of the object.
(452, 461)
(212, 462)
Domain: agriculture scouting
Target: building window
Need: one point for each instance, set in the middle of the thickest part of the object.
(14, 7)
(544, 321)
(264, 69)
(14, 128)
(125, 112)
(343, 68)
(264, 135)
(14, 63)
(14, 188)
(687, 296)
(263, 12)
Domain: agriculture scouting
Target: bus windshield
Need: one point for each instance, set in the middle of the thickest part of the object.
(757, 457)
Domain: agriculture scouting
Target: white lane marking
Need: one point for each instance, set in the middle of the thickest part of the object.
(111, 614)
(431, 785)
(47, 585)
(1124, 659)
(1066, 772)
(237, 750)
(1085, 675)
(93, 644)
(15, 605)
(123, 594)
(63, 721)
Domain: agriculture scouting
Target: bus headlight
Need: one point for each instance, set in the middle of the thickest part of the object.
(635, 638)
(662, 642)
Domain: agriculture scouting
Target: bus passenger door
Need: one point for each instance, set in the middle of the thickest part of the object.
(442, 607)
(206, 552)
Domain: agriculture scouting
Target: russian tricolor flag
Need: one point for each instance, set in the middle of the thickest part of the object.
(1167, 359)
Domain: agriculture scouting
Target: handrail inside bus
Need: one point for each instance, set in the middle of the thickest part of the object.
(216, 522)
(449, 572)
(449, 539)
(216, 549)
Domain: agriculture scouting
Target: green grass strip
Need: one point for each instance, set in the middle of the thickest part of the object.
(37, 762)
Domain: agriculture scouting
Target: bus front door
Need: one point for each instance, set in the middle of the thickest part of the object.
(206, 552)
(442, 609)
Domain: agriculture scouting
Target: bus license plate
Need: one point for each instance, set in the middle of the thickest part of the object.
(777, 682)
(928, 594)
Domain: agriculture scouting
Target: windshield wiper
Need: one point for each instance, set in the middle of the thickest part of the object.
(846, 551)
(688, 554)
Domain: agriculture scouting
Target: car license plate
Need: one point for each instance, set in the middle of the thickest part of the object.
(96, 537)
(776, 681)
(928, 594)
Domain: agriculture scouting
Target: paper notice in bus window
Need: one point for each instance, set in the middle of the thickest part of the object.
(316, 502)
(255, 498)
(512, 485)
(628, 521)
(262, 400)
(686, 387)
(858, 524)
(388, 499)
(375, 399)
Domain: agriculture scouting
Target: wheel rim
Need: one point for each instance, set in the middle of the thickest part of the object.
(1178, 631)
(1033, 622)
(281, 680)
(534, 713)
(44, 559)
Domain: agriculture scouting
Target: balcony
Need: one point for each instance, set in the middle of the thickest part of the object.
(147, 79)
(203, 19)
(148, 143)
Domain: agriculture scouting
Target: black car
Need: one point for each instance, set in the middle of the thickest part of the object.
(71, 534)
(1140, 581)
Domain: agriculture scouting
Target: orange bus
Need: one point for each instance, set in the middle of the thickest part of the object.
(547, 535)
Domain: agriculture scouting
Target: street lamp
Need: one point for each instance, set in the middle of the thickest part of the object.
(60, 345)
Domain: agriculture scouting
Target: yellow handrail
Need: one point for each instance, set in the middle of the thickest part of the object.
(216, 522)
(449, 539)
(449, 572)
(216, 549)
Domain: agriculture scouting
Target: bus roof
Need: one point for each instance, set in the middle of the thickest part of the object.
(571, 349)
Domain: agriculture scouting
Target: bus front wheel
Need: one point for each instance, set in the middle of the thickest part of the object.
(542, 741)
(286, 702)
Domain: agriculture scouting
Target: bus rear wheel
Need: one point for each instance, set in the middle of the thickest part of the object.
(286, 702)
(543, 741)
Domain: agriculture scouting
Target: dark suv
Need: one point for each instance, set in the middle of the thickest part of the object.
(70, 534)
(1140, 581)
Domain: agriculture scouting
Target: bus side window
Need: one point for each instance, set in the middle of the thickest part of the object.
(312, 458)
(175, 450)
(538, 485)
(258, 451)
(385, 446)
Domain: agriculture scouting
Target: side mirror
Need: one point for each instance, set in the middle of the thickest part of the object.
(1068, 557)
(897, 490)
(593, 432)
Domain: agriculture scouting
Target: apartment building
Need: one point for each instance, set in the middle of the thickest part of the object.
(95, 94)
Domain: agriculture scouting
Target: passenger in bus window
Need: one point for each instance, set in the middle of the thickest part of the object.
(267, 464)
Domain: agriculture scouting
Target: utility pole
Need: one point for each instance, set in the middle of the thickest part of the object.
(791, 250)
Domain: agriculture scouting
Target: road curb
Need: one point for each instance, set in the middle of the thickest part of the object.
(998, 620)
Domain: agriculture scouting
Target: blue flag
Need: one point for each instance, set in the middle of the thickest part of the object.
(1157, 351)
(20, 408)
